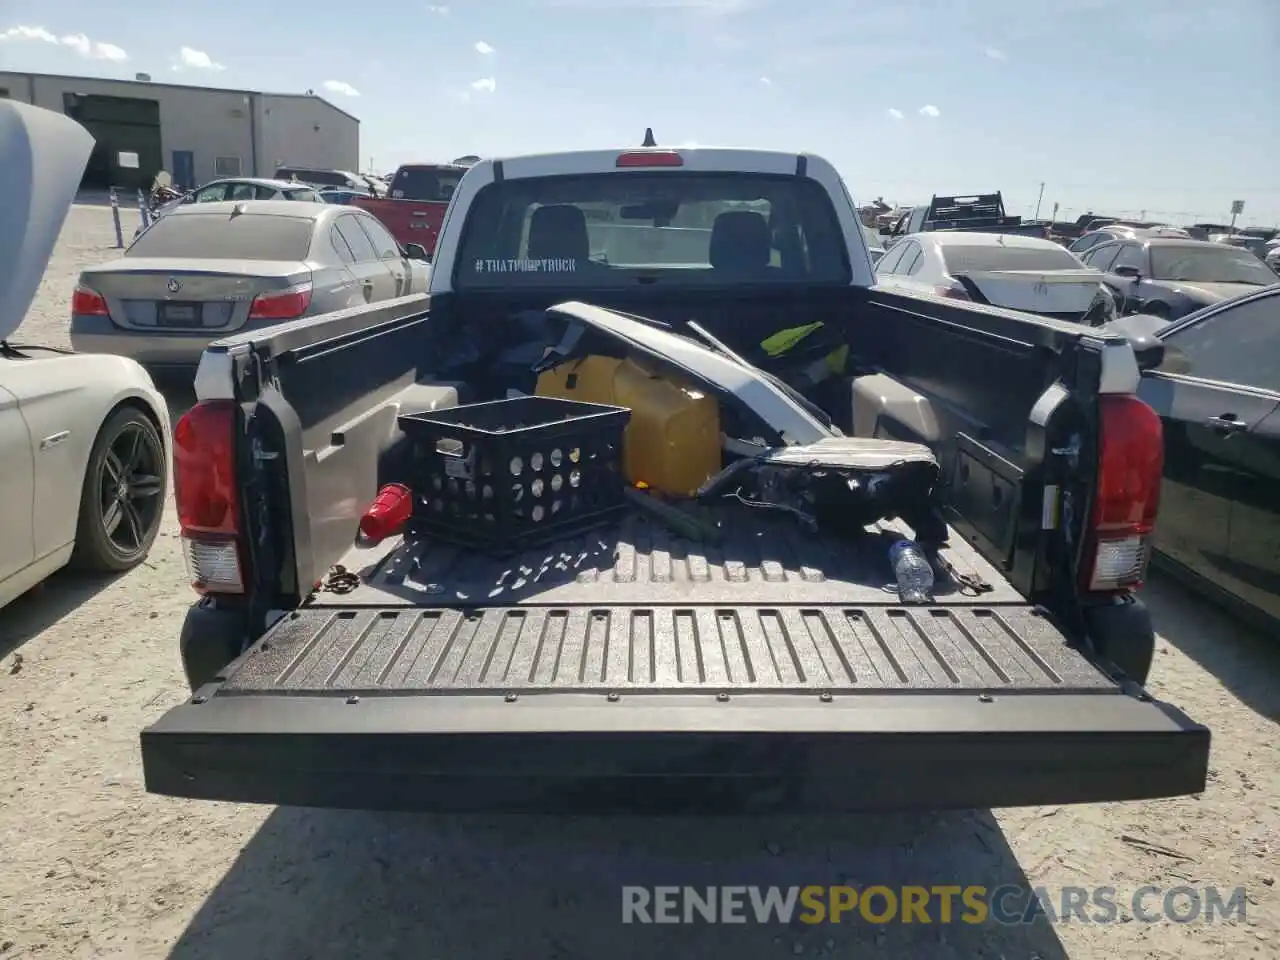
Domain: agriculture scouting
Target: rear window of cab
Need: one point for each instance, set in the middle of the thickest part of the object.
(670, 228)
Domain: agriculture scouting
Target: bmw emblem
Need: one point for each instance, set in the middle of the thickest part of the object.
(174, 285)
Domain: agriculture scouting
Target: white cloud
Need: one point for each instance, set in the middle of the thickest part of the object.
(338, 86)
(109, 51)
(189, 57)
(765, 81)
(438, 11)
(28, 33)
(93, 49)
(895, 113)
(994, 54)
(79, 43)
(484, 85)
(929, 110)
(484, 48)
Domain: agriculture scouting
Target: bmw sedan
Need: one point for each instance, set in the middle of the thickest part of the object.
(209, 270)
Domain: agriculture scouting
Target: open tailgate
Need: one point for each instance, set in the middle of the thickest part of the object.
(670, 708)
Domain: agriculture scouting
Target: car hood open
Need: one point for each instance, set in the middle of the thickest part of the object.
(42, 158)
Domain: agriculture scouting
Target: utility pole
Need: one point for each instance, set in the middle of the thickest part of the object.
(1038, 199)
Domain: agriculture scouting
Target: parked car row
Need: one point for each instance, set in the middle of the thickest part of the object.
(1210, 314)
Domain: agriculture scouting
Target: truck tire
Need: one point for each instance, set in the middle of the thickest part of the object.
(211, 638)
(122, 496)
(1122, 633)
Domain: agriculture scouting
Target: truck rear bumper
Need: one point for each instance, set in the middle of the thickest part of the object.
(675, 753)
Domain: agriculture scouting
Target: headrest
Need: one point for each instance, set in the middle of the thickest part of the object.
(740, 240)
(558, 231)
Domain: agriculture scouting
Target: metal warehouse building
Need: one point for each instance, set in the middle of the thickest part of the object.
(195, 133)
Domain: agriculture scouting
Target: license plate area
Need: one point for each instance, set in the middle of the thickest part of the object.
(179, 315)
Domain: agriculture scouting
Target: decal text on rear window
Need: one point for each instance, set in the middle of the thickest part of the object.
(545, 265)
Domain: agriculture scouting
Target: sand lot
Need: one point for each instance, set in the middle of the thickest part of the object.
(95, 867)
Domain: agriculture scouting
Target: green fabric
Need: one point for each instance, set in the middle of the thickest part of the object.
(785, 340)
(782, 341)
(837, 358)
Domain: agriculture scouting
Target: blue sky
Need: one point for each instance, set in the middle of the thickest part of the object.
(1168, 106)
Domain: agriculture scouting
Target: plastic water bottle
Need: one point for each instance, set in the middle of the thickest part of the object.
(913, 571)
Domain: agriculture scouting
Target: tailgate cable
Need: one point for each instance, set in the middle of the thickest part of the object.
(338, 580)
(970, 584)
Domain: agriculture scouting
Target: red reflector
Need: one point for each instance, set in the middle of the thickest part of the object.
(1127, 500)
(286, 305)
(956, 292)
(86, 303)
(204, 477)
(651, 158)
(388, 513)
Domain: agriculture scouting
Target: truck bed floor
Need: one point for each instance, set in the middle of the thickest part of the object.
(763, 558)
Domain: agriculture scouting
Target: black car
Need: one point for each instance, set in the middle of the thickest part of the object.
(1122, 231)
(1169, 277)
(1217, 390)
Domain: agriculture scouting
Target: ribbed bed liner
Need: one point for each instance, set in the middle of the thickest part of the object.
(764, 558)
(633, 608)
(323, 650)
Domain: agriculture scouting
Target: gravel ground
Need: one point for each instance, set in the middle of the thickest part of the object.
(98, 868)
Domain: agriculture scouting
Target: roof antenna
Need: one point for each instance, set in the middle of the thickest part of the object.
(648, 138)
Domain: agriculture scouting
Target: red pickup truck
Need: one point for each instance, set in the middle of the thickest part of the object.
(414, 207)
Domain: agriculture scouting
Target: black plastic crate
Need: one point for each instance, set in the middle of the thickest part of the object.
(516, 473)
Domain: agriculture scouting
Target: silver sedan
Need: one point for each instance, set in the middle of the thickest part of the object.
(213, 269)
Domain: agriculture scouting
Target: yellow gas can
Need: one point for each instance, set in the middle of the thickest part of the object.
(672, 442)
(589, 379)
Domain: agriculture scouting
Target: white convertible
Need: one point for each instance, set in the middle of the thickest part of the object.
(84, 439)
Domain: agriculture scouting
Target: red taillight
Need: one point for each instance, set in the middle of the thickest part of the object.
(87, 303)
(651, 158)
(1127, 499)
(207, 495)
(285, 305)
(952, 292)
(388, 513)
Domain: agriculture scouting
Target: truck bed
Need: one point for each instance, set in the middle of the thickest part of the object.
(763, 558)
(634, 671)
